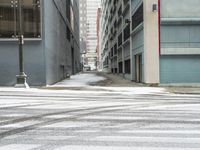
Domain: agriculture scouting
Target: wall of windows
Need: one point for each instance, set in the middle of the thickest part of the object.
(137, 18)
(9, 18)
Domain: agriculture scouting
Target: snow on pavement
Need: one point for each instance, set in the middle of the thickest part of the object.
(83, 80)
(80, 80)
(100, 118)
(77, 120)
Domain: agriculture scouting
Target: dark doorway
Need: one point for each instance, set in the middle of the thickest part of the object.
(73, 62)
(138, 68)
(120, 67)
(127, 66)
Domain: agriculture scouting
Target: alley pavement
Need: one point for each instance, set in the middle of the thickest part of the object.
(72, 115)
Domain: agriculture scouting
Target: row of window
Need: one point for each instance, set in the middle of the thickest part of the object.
(137, 18)
(31, 18)
(126, 32)
(127, 67)
(9, 19)
(113, 51)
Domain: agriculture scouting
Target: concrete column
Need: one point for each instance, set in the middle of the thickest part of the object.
(123, 64)
(131, 44)
(151, 42)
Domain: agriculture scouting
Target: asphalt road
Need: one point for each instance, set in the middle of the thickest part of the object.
(133, 118)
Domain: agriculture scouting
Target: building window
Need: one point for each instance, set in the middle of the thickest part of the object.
(68, 34)
(68, 10)
(31, 15)
(9, 19)
(137, 18)
(115, 49)
(72, 17)
(126, 32)
(120, 40)
(112, 54)
(6, 19)
(105, 63)
(128, 66)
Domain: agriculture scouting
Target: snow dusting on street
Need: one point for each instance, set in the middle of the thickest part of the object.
(98, 117)
(80, 80)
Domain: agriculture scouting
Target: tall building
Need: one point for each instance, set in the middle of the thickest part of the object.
(91, 55)
(99, 62)
(83, 29)
(51, 48)
(152, 41)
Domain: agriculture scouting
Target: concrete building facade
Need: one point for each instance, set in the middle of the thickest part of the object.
(91, 55)
(51, 48)
(83, 30)
(152, 41)
(99, 58)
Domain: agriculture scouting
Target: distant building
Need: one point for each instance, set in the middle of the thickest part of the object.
(152, 41)
(99, 60)
(83, 30)
(51, 31)
(91, 55)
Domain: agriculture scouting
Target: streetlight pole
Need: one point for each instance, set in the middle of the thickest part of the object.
(21, 78)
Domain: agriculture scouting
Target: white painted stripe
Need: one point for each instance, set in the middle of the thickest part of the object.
(18, 147)
(82, 147)
(148, 139)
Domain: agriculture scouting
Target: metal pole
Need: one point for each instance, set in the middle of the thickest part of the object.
(21, 78)
(21, 40)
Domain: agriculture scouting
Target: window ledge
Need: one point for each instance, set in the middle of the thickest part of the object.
(137, 29)
(126, 42)
(15, 39)
(180, 21)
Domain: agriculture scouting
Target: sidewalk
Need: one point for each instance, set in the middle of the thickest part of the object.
(113, 80)
(183, 90)
(116, 81)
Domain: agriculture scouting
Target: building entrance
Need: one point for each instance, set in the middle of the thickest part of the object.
(138, 68)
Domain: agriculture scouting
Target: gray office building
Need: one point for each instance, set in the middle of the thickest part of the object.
(152, 41)
(51, 48)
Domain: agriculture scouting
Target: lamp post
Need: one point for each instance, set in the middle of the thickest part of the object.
(21, 78)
